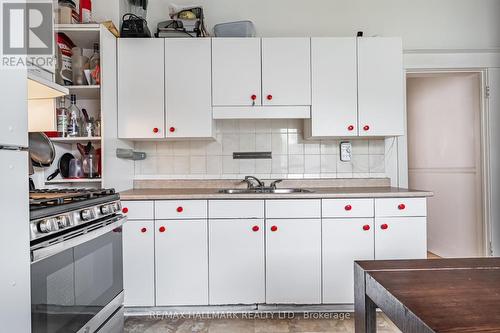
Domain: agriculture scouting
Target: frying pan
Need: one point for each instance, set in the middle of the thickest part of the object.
(42, 151)
(62, 166)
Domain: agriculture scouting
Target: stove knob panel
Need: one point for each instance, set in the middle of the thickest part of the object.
(106, 209)
(48, 225)
(63, 222)
(86, 214)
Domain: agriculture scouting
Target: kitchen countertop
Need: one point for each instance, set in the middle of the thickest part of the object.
(318, 192)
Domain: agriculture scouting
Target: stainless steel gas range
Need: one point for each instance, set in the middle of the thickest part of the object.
(76, 261)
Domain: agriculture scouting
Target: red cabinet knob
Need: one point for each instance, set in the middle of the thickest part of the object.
(401, 206)
(269, 97)
(350, 128)
(348, 207)
(255, 228)
(366, 227)
(253, 97)
(162, 229)
(155, 130)
(172, 129)
(180, 209)
(366, 127)
(143, 230)
(384, 226)
(125, 210)
(274, 228)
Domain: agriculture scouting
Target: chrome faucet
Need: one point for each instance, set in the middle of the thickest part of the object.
(273, 184)
(250, 182)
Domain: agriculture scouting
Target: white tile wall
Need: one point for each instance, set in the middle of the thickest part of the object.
(293, 157)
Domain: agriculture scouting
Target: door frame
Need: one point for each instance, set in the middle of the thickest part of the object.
(484, 147)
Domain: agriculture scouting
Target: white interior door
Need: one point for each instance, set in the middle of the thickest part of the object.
(181, 257)
(236, 256)
(236, 71)
(293, 261)
(141, 111)
(138, 263)
(286, 71)
(344, 241)
(494, 164)
(334, 110)
(380, 86)
(188, 87)
(444, 147)
(400, 238)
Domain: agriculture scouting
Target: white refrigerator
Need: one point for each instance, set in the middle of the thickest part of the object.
(15, 296)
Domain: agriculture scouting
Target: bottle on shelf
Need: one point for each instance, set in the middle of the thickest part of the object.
(75, 118)
(62, 115)
(85, 11)
(95, 69)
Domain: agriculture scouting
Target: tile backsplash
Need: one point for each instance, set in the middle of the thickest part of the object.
(292, 156)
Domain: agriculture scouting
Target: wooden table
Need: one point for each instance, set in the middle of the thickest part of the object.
(437, 295)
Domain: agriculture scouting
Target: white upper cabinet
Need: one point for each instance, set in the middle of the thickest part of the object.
(236, 76)
(286, 71)
(380, 87)
(188, 87)
(334, 87)
(141, 111)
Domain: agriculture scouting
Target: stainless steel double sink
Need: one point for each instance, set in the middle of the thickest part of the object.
(264, 190)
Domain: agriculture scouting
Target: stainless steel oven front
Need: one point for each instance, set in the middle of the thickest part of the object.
(77, 282)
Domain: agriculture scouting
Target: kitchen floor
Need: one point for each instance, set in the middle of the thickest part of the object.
(329, 322)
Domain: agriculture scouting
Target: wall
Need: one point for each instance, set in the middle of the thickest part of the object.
(423, 24)
(444, 156)
(292, 156)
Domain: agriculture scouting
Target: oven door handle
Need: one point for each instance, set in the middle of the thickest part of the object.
(43, 253)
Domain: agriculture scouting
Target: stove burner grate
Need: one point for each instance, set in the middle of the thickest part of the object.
(44, 198)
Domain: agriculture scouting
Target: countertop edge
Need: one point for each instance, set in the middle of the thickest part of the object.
(322, 195)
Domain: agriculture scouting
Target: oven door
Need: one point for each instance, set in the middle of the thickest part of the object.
(73, 284)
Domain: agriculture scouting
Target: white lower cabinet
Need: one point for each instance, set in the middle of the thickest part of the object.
(293, 261)
(236, 257)
(138, 263)
(400, 238)
(262, 251)
(181, 257)
(344, 241)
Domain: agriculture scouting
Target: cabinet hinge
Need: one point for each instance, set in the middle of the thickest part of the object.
(491, 248)
(487, 92)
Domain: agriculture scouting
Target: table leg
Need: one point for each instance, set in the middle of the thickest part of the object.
(365, 315)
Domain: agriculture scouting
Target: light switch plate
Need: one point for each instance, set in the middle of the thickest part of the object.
(345, 151)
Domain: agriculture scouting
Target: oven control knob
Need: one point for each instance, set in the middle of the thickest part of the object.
(63, 222)
(116, 207)
(48, 225)
(86, 214)
(106, 209)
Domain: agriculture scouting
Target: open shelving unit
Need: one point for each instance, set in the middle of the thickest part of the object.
(88, 97)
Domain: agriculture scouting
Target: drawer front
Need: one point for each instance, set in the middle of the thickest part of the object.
(236, 209)
(293, 209)
(400, 207)
(347, 208)
(181, 209)
(138, 210)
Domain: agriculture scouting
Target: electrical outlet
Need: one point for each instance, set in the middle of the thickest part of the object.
(345, 151)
